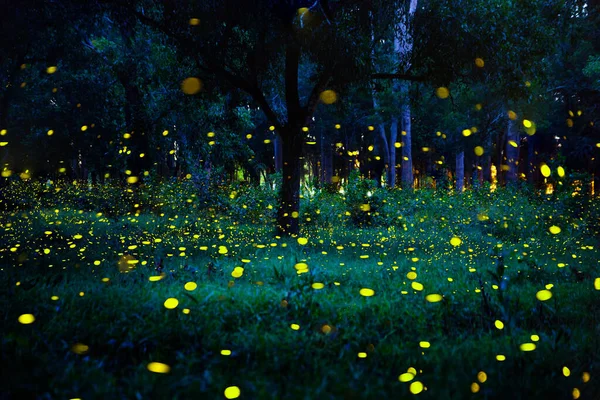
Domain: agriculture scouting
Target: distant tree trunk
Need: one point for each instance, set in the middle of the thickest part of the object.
(326, 160)
(407, 171)
(392, 158)
(531, 160)
(512, 153)
(460, 172)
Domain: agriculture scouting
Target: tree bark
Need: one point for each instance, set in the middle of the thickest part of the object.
(512, 153)
(277, 150)
(460, 172)
(289, 203)
(392, 158)
(326, 160)
(407, 171)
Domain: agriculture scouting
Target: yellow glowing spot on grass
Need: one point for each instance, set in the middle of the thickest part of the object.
(366, 292)
(328, 96)
(478, 151)
(302, 241)
(223, 250)
(543, 295)
(26, 319)
(105, 280)
(417, 286)
(555, 230)
(237, 272)
(561, 172)
(132, 179)
(535, 338)
(501, 357)
(54, 298)
(527, 347)
(597, 283)
(191, 86)
(425, 345)
(194, 21)
(474, 387)
(499, 324)
(412, 275)
(416, 387)
(455, 241)
(545, 170)
(406, 377)
(171, 303)
(362, 355)
(225, 352)
(295, 214)
(50, 70)
(190, 286)
(467, 132)
(155, 278)
(159, 368)
(566, 371)
(442, 92)
(318, 286)
(232, 392)
(479, 62)
(295, 327)
(434, 298)
(46, 251)
(80, 348)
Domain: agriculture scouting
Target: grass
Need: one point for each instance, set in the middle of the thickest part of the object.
(96, 339)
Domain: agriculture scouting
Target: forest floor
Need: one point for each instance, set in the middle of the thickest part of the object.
(492, 297)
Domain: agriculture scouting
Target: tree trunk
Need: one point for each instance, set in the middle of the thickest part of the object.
(392, 147)
(277, 152)
(289, 202)
(512, 153)
(531, 160)
(407, 171)
(460, 172)
(326, 161)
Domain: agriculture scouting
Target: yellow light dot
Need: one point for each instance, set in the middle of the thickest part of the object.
(26, 319)
(481, 376)
(467, 132)
(545, 170)
(158, 368)
(302, 241)
(424, 345)
(194, 22)
(165, 133)
(455, 241)
(416, 387)
(501, 357)
(535, 338)
(50, 132)
(328, 96)
(442, 92)
(585, 377)
(223, 250)
(555, 230)
(499, 324)
(237, 272)
(232, 392)
(543, 295)
(366, 292)
(190, 286)
(318, 285)
(406, 377)
(191, 86)
(412, 275)
(225, 352)
(337, 126)
(512, 115)
(171, 303)
(132, 179)
(527, 123)
(527, 347)
(80, 348)
(84, 128)
(561, 172)
(417, 286)
(575, 393)
(566, 371)
(362, 355)
(513, 143)
(474, 387)
(295, 326)
(51, 70)
(478, 151)
(597, 283)
(479, 62)
(434, 298)
(54, 298)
